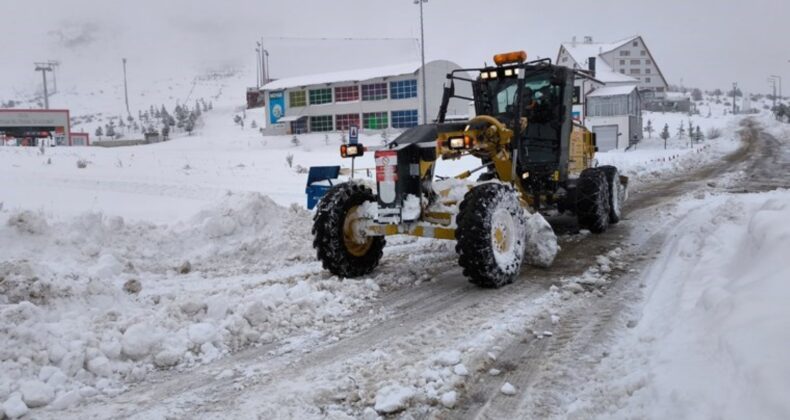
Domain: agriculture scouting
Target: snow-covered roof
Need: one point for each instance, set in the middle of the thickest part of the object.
(358, 75)
(580, 52)
(612, 91)
(677, 96)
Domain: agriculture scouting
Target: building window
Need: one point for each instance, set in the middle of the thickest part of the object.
(320, 96)
(321, 122)
(648, 62)
(636, 62)
(403, 89)
(622, 71)
(625, 53)
(344, 121)
(648, 71)
(375, 120)
(564, 59)
(297, 98)
(636, 71)
(374, 92)
(647, 80)
(404, 119)
(622, 62)
(643, 53)
(636, 43)
(346, 93)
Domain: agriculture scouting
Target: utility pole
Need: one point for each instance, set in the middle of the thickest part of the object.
(734, 91)
(54, 65)
(264, 76)
(266, 65)
(779, 78)
(44, 68)
(125, 89)
(772, 80)
(422, 53)
(258, 67)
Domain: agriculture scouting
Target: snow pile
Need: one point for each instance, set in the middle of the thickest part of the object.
(239, 273)
(712, 339)
(541, 247)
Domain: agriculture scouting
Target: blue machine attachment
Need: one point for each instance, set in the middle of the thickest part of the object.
(317, 174)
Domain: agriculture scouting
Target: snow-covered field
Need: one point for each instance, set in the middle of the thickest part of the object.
(171, 256)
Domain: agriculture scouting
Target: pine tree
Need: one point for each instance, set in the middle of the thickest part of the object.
(681, 130)
(253, 124)
(110, 129)
(99, 132)
(665, 135)
(189, 124)
(649, 129)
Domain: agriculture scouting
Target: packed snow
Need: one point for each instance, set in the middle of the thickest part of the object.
(710, 341)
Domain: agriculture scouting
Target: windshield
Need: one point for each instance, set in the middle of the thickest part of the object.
(537, 87)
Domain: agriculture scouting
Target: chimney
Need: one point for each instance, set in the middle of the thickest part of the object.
(573, 42)
(588, 40)
(591, 65)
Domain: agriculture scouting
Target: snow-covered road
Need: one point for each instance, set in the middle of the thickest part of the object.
(253, 328)
(443, 343)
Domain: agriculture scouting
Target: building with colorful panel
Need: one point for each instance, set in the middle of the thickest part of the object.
(382, 98)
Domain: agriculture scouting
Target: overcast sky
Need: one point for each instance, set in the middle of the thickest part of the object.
(706, 43)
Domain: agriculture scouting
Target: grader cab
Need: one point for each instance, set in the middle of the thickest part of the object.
(532, 158)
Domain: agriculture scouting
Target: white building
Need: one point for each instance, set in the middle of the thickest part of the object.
(625, 74)
(372, 99)
(622, 62)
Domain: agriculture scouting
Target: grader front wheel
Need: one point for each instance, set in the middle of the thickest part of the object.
(340, 244)
(491, 235)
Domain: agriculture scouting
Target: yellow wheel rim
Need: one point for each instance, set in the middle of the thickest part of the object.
(499, 240)
(355, 245)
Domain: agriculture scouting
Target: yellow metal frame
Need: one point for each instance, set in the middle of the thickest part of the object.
(492, 143)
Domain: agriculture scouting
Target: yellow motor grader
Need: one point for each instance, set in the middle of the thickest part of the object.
(533, 157)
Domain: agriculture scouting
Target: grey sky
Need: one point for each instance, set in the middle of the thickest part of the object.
(707, 43)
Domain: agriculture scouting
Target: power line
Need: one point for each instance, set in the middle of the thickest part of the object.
(295, 38)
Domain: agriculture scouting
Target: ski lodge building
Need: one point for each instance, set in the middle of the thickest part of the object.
(379, 98)
(626, 75)
(29, 127)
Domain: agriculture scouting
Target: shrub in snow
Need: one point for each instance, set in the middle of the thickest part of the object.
(28, 222)
(713, 133)
(295, 141)
(301, 169)
(289, 159)
(132, 286)
(82, 163)
(185, 267)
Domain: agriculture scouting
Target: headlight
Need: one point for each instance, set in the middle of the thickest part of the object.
(457, 143)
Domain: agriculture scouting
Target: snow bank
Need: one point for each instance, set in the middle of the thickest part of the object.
(712, 340)
(70, 330)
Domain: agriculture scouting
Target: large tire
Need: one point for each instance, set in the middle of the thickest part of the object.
(616, 192)
(491, 235)
(338, 250)
(592, 200)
